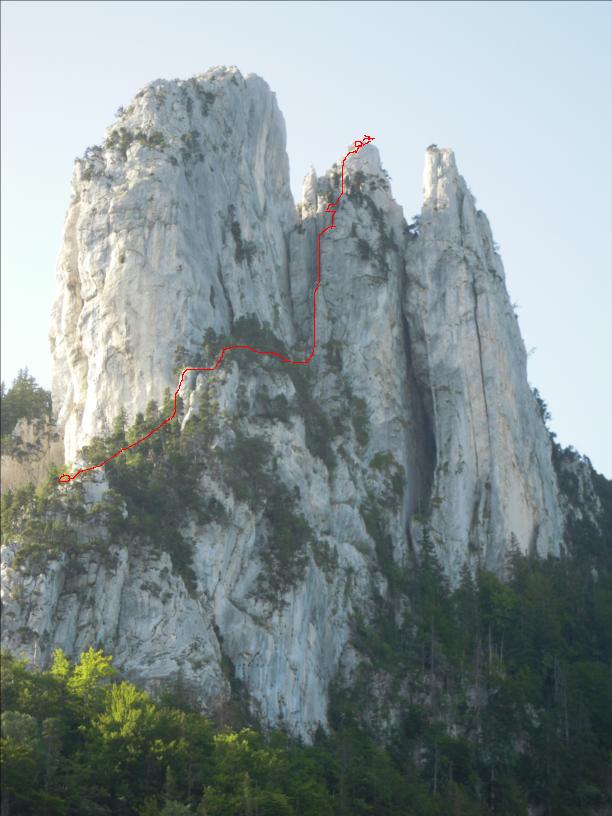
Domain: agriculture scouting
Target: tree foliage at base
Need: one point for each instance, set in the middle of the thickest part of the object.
(509, 704)
(488, 699)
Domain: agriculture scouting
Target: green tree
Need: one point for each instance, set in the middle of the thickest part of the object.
(87, 682)
(25, 399)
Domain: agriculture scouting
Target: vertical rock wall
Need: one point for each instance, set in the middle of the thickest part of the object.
(417, 414)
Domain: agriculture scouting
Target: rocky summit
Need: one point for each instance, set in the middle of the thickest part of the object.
(414, 425)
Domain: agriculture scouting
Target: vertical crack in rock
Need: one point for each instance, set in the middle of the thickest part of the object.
(426, 454)
(481, 366)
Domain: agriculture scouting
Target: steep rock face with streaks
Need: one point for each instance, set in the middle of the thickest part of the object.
(494, 483)
(414, 419)
(176, 224)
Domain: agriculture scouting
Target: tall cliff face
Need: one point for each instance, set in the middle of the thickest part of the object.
(177, 223)
(494, 481)
(414, 418)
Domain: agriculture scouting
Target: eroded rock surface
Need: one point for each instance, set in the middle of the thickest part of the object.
(416, 414)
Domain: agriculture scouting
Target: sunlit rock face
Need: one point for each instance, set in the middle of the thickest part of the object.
(176, 223)
(494, 481)
(417, 417)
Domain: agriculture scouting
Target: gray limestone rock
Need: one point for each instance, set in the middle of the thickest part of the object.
(418, 414)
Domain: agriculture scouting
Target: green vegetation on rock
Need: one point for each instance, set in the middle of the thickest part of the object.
(500, 691)
(25, 399)
(319, 429)
(489, 699)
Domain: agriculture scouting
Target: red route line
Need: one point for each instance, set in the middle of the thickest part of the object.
(331, 209)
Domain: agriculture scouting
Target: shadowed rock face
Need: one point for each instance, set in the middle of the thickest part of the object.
(183, 221)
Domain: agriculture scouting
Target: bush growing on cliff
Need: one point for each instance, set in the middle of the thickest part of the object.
(25, 399)
(122, 138)
(249, 331)
(394, 478)
(41, 523)
(318, 427)
(244, 250)
(250, 471)
(285, 555)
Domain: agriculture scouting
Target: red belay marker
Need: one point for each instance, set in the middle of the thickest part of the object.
(331, 209)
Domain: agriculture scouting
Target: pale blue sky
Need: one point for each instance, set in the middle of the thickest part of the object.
(520, 91)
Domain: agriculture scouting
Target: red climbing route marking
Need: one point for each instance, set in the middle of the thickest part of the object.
(331, 209)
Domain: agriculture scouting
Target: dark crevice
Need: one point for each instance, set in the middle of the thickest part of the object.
(475, 294)
(290, 305)
(482, 381)
(421, 406)
(482, 378)
(225, 293)
(310, 226)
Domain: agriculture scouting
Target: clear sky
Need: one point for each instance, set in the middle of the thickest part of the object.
(521, 91)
